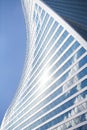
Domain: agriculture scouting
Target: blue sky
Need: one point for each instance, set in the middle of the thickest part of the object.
(12, 50)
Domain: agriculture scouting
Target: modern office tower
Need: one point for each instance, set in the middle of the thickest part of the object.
(53, 91)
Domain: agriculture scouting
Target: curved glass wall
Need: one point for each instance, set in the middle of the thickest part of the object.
(55, 93)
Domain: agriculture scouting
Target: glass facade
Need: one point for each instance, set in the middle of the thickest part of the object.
(74, 12)
(53, 92)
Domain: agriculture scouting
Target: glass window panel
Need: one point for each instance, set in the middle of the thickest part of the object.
(42, 14)
(58, 110)
(82, 73)
(41, 40)
(83, 61)
(53, 86)
(83, 127)
(47, 38)
(42, 27)
(59, 119)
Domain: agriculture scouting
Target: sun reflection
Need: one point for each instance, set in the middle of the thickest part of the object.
(44, 78)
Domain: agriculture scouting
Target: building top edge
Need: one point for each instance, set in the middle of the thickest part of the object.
(73, 12)
(58, 18)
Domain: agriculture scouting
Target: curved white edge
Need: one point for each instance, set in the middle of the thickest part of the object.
(60, 20)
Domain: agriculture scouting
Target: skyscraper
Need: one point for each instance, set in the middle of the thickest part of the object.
(53, 90)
